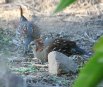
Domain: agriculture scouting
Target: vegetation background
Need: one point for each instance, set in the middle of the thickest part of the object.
(80, 13)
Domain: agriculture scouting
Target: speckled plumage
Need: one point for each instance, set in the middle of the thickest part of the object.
(27, 31)
(66, 47)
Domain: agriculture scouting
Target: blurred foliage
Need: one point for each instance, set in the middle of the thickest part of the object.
(6, 41)
(63, 4)
(5, 38)
(58, 80)
(91, 74)
(26, 70)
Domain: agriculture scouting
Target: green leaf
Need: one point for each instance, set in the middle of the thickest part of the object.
(29, 69)
(98, 47)
(63, 4)
(92, 72)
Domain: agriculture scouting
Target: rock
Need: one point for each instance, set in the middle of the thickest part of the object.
(60, 63)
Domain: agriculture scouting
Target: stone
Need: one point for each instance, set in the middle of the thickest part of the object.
(60, 63)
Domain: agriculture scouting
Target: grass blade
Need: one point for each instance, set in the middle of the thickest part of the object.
(63, 4)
